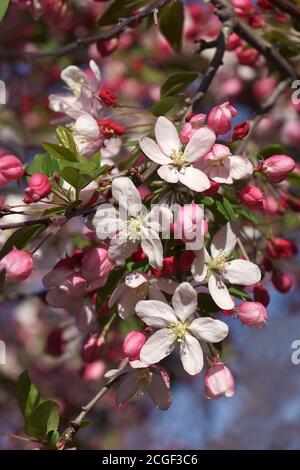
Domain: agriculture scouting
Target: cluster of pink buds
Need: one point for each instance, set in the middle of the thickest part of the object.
(39, 187)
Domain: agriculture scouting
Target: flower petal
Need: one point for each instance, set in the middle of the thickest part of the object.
(135, 279)
(158, 346)
(168, 173)
(184, 301)
(74, 77)
(87, 126)
(199, 268)
(200, 143)
(191, 355)
(166, 285)
(224, 240)
(106, 221)
(158, 390)
(194, 179)
(127, 196)
(127, 388)
(166, 135)
(152, 247)
(208, 329)
(120, 248)
(151, 149)
(240, 167)
(128, 301)
(155, 313)
(219, 293)
(240, 271)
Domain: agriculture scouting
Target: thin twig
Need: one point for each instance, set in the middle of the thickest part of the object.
(288, 7)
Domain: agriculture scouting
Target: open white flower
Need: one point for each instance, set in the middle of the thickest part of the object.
(176, 163)
(87, 135)
(178, 326)
(136, 287)
(83, 89)
(223, 167)
(218, 269)
(131, 225)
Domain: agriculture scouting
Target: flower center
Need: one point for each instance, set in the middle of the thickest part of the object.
(76, 88)
(179, 330)
(144, 377)
(217, 264)
(178, 158)
(219, 162)
(133, 229)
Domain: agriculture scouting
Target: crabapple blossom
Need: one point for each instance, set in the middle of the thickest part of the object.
(95, 267)
(176, 163)
(139, 286)
(131, 226)
(278, 167)
(217, 269)
(219, 381)
(190, 225)
(65, 287)
(17, 265)
(153, 380)
(252, 197)
(133, 344)
(178, 326)
(191, 125)
(220, 117)
(282, 281)
(11, 168)
(278, 247)
(222, 167)
(253, 314)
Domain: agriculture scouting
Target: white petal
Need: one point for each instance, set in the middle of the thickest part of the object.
(95, 69)
(154, 293)
(208, 329)
(151, 149)
(127, 196)
(120, 290)
(134, 280)
(158, 346)
(168, 173)
(224, 240)
(191, 355)
(152, 246)
(166, 135)
(128, 301)
(240, 271)
(219, 293)
(158, 390)
(74, 77)
(106, 221)
(87, 126)
(200, 143)
(198, 268)
(155, 313)
(121, 248)
(240, 167)
(166, 285)
(159, 219)
(194, 179)
(127, 388)
(184, 301)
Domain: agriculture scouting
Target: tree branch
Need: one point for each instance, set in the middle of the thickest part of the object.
(227, 15)
(84, 42)
(287, 7)
(69, 433)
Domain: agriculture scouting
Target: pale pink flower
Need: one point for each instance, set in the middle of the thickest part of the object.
(95, 267)
(87, 135)
(253, 314)
(139, 286)
(132, 383)
(178, 326)
(17, 265)
(217, 269)
(131, 226)
(66, 288)
(219, 381)
(222, 167)
(176, 163)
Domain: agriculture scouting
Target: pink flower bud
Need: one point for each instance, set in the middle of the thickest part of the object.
(264, 87)
(253, 314)
(193, 122)
(133, 344)
(106, 48)
(17, 264)
(281, 248)
(220, 117)
(219, 381)
(11, 168)
(93, 371)
(108, 97)
(271, 206)
(40, 185)
(290, 133)
(241, 130)
(56, 344)
(92, 348)
(278, 167)
(261, 295)
(96, 266)
(243, 7)
(168, 269)
(213, 189)
(190, 224)
(233, 42)
(282, 281)
(252, 197)
(247, 56)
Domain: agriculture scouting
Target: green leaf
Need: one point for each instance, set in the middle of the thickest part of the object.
(66, 139)
(28, 396)
(177, 83)
(171, 19)
(249, 215)
(21, 238)
(163, 106)
(120, 9)
(208, 201)
(60, 152)
(274, 149)
(3, 7)
(43, 419)
(53, 438)
(240, 294)
(294, 178)
(43, 163)
(225, 208)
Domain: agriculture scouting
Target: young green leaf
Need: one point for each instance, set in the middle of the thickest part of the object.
(28, 396)
(60, 152)
(3, 8)
(171, 20)
(21, 238)
(177, 83)
(43, 419)
(43, 163)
